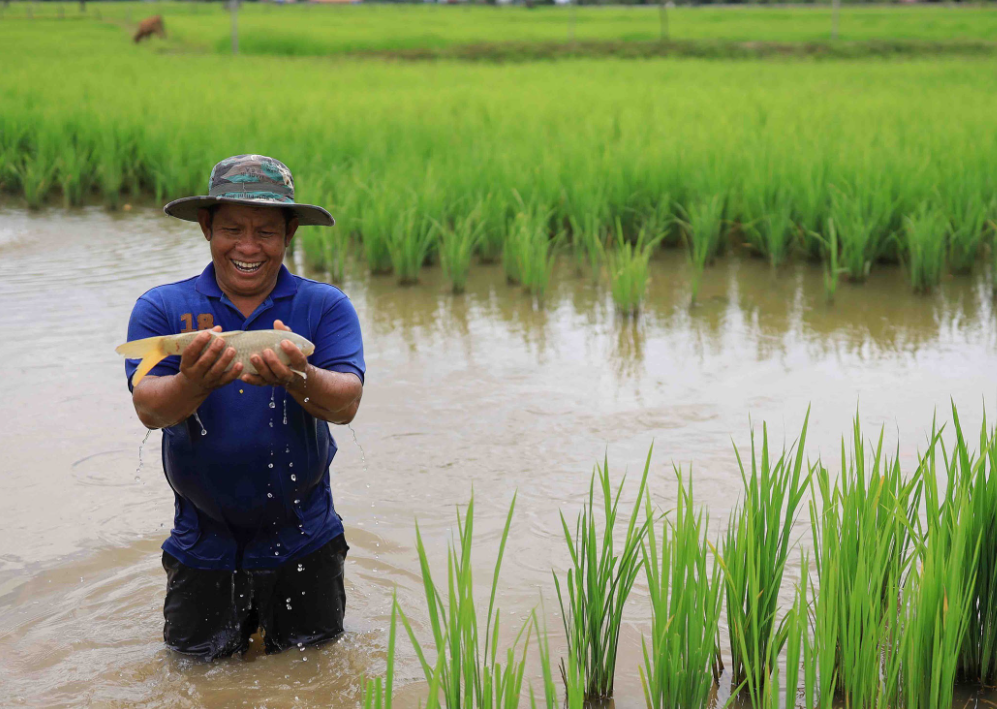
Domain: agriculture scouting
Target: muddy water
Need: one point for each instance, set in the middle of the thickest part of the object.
(482, 392)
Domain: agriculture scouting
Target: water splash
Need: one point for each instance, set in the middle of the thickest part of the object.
(366, 476)
(141, 446)
(200, 423)
(285, 407)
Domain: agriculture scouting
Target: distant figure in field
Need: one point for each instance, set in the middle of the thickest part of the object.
(150, 26)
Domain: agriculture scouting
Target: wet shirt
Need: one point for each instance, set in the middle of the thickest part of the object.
(250, 471)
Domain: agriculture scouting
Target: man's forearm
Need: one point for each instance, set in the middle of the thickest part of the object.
(165, 401)
(330, 396)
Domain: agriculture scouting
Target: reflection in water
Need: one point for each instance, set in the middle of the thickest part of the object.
(483, 391)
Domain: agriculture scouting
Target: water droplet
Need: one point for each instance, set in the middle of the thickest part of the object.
(301, 567)
(240, 391)
(271, 465)
(287, 449)
(290, 465)
(306, 399)
(302, 593)
(287, 600)
(271, 424)
(304, 659)
(273, 405)
(276, 553)
(300, 644)
(297, 502)
(294, 477)
(203, 432)
(269, 494)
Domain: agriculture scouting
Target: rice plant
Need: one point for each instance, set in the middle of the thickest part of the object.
(967, 221)
(683, 660)
(588, 243)
(627, 264)
(471, 672)
(456, 245)
(703, 229)
(529, 254)
(409, 244)
(861, 217)
(327, 250)
(925, 232)
(598, 584)
(975, 478)
(831, 269)
(771, 235)
(378, 694)
(863, 530)
(754, 555)
(938, 600)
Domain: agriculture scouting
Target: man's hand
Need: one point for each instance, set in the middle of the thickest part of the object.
(203, 364)
(327, 395)
(270, 371)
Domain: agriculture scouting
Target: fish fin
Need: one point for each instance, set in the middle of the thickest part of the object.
(149, 350)
(302, 374)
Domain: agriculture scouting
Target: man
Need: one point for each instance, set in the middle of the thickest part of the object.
(256, 540)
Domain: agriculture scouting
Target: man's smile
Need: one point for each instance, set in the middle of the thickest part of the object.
(247, 266)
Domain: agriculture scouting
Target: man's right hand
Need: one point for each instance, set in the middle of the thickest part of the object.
(204, 361)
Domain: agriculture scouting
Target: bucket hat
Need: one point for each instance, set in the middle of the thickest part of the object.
(250, 179)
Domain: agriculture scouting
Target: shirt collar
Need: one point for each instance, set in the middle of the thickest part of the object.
(207, 284)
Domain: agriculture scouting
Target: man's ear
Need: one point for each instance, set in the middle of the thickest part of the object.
(292, 227)
(204, 219)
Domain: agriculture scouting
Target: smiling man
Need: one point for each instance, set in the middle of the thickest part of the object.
(256, 540)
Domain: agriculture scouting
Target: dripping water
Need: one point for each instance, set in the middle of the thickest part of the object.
(141, 447)
(199, 423)
(366, 477)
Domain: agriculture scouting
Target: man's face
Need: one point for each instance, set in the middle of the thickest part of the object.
(247, 246)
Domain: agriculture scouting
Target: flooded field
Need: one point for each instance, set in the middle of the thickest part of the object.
(481, 392)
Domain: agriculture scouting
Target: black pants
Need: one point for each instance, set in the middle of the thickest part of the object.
(211, 614)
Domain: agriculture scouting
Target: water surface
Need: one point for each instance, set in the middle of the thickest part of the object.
(483, 392)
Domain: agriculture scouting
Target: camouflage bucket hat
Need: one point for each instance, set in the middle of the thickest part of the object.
(250, 179)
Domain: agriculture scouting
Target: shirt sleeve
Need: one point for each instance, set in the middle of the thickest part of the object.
(338, 344)
(149, 320)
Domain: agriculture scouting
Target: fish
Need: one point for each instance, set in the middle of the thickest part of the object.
(153, 350)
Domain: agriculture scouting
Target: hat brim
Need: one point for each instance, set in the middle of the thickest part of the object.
(308, 214)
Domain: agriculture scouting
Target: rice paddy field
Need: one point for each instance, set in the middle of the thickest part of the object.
(558, 264)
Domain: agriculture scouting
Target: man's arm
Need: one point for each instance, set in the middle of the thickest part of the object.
(330, 396)
(165, 401)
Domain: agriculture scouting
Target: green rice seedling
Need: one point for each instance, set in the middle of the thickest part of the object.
(409, 244)
(543, 649)
(938, 598)
(628, 276)
(832, 271)
(863, 530)
(975, 479)
(457, 245)
(470, 672)
(754, 555)
(772, 234)
(378, 216)
(494, 214)
(925, 232)
(862, 219)
(530, 254)
(967, 221)
(110, 169)
(598, 585)
(35, 178)
(378, 694)
(682, 663)
(327, 250)
(703, 229)
(74, 176)
(588, 243)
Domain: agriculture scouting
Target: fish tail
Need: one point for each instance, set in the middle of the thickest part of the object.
(150, 350)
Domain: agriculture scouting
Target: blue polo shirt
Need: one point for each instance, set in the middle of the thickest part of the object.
(250, 471)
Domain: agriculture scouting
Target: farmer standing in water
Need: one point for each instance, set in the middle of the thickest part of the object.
(256, 541)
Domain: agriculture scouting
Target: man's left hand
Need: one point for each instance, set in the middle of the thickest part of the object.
(272, 372)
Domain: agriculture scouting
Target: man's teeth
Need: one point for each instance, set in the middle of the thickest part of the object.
(246, 266)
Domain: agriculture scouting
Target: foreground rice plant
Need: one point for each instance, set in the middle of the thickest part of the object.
(628, 276)
(598, 585)
(470, 671)
(588, 243)
(863, 527)
(378, 694)
(754, 555)
(683, 661)
(925, 231)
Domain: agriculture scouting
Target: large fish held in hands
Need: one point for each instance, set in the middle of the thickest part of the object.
(153, 350)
